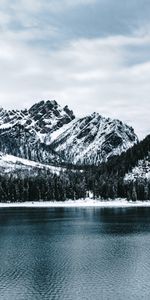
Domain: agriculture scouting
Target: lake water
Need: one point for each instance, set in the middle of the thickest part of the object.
(74, 253)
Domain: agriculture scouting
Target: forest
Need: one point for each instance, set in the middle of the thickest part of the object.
(105, 181)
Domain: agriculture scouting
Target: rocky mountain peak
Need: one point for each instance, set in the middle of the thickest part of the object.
(93, 139)
(46, 111)
(44, 106)
(47, 132)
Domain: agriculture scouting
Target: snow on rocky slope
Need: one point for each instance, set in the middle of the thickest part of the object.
(93, 139)
(27, 133)
(140, 172)
(50, 134)
(12, 164)
(42, 118)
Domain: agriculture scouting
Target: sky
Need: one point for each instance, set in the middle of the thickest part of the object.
(92, 55)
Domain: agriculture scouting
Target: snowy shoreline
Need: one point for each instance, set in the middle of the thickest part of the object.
(80, 203)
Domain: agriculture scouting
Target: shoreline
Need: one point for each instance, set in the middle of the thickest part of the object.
(78, 203)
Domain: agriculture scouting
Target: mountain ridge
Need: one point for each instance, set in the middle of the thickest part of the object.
(48, 133)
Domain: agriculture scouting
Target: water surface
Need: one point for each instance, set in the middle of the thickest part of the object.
(74, 253)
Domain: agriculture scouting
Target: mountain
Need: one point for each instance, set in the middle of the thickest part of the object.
(48, 133)
(24, 180)
(93, 139)
(137, 179)
(137, 161)
(27, 133)
(124, 176)
(43, 117)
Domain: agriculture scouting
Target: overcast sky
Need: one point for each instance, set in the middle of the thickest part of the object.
(93, 55)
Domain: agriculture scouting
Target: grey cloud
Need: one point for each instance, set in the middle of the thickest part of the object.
(87, 75)
(92, 55)
(77, 19)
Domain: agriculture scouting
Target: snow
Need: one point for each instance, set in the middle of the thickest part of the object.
(141, 171)
(6, 126)
(86, 140)
(61, 130)
(92, 139)
(122, 203)
(11, 163)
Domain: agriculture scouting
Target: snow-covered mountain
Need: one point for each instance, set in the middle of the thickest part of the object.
(93, 139)
(27, 133)
(50, 134)
(43, 118)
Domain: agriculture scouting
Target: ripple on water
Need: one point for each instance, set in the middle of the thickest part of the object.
(71, 254)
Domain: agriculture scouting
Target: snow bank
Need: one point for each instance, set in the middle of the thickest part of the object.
(81, 203)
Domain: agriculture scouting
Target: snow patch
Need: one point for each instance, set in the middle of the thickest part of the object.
(122, 203)
(141, 171)
(11, 163)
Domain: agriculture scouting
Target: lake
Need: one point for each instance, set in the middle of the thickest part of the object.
(74, 253)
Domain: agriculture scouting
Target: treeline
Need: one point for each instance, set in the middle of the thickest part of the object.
(45, 186)
(105, 181)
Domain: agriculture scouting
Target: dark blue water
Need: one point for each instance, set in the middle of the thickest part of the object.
(74, 253)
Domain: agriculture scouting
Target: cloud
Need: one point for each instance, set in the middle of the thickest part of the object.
(87, 74)
(39, 6)
(77, 19)
(90, 54)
